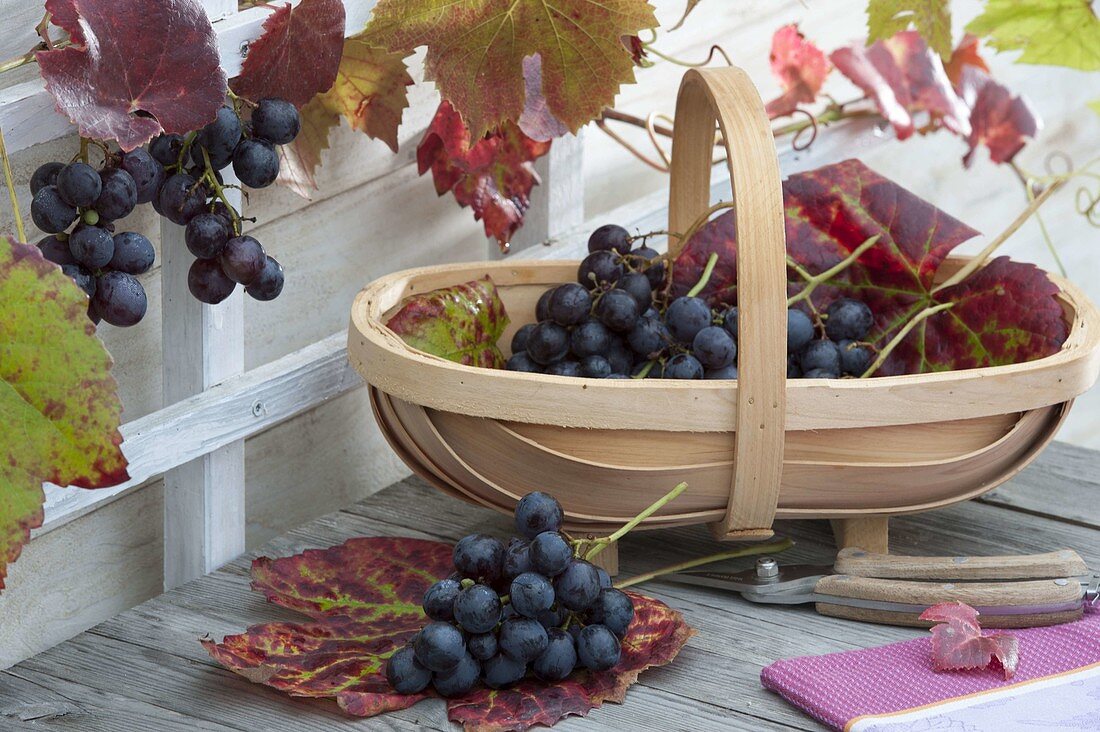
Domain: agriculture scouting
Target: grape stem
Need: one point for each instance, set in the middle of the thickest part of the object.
(645, 370)
(900, 336)
(701, 221)
(771, 548)
(812, 281)
(979, 261)
(10, 183)
(603, 543)
(705, 277)
(219, 190)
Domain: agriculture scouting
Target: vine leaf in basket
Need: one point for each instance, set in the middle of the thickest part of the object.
(460, 323)
(58, 400)
(1006, 312)
(903, 77)
(370, 92)
(134, 69)
(297, 55)
(932, 19)
(801, 68)
(476, 50)
(1059, 32)
(958, 643)
(363, 598)
(494, 175)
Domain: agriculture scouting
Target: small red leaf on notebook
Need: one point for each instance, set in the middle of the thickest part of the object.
(958, 643)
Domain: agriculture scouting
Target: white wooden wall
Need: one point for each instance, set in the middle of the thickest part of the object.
(273, 428)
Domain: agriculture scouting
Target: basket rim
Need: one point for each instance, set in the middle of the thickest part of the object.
(383, 359)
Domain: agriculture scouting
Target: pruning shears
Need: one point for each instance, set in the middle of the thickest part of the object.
(1009, 592)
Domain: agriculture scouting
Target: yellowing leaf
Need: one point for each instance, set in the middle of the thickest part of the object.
(931, 18)
(59, 404)
(1055, 32)
(476, 50)
(370, 91)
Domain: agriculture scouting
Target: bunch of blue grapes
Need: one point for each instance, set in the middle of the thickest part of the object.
(530, 606)
(837, 349)
(77, 205)
(617, 322)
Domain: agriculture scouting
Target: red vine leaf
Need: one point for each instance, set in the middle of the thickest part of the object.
(903, 76)
(1001, 121)
(537, 121)
(460, 323)
(1006, 312)
(476, 50)
(364, 600)
(801, 68)
(967, 53)
(58, 400)
(958, 643)
(297, 55)
(134, 69)
(494, 176)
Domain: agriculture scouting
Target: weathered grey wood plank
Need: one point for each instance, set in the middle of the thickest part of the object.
(1064, 483)
(148, 671)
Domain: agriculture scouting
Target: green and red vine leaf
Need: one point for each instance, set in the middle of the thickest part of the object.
(494, 175)
(363, 599)
(58, 401)
(931, 18)
(370, 91)
(476, 49)
(1057, 32)
(903, 77)
(801, 68)
(460, 323)
(1006, 312)
(134, 69)
(297, 55)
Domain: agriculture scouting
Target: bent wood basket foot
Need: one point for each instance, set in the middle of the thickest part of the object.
(752, 450)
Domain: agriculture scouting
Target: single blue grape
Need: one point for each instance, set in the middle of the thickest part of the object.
(618, 310)
(854, 357)
(590, 338)
(683, 366)
(477, 609)
(609, 237)
(531, 593)
(597, 648)
(405, 674)
(537, 512)
(595, 367)
(501, 671)
(439, 600)
(578, 586)
(714, 347)
(522, 639)
(848, 319)
(478, 556)
(482, 646)
(685, 317)
(800, 330)
(559, 659)
(569, 304)
(523, 363)
(637, 284)
(724, 373)
(439, 646)
(459, 680)
(613, 609)
(517, 559)
(550, 553)
(519, 340)
(823, 355)
(729, 321)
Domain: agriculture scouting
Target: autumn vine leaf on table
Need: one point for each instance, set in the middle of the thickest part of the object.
(903, 77)
(460, 323)
(476, 50)
(297, 55)
(832, 210)
(1057, 32)
(370, 91)
(931, 18)
(364, 598)
(801, 68)
(493, 176)
(58, 401)
(134, 69)
(958, 643)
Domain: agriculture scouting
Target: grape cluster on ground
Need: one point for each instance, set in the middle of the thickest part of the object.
(617, 321)
(531, 606)
(76, 205)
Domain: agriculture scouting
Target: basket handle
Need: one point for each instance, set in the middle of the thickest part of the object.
(727, 96)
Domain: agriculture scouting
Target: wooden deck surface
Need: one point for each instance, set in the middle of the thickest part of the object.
(145, 670)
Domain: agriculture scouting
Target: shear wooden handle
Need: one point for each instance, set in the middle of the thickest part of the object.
(1004, 604)
(1061, 563)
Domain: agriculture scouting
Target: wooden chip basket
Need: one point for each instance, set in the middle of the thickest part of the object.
(752, 450)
